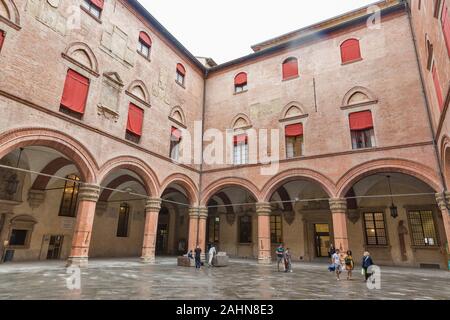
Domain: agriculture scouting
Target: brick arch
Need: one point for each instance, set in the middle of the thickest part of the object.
(51, 168)
(149, 178)
(106, 193)
(222, 183)
(297, 174)
(61, 142)
(445, 147)
(184, 181)
(414, 169)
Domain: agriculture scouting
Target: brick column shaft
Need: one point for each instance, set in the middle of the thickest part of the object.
(152, 208)
(338, 209)
(263, 211)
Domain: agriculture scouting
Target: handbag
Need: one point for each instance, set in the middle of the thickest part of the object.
(331, 268)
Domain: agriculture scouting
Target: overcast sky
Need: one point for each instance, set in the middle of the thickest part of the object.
(225, 29)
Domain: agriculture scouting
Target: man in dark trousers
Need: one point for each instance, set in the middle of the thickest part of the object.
(198, 255)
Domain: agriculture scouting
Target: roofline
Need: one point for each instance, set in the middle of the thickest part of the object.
(311, 36)
(158, 26)
(311, 27)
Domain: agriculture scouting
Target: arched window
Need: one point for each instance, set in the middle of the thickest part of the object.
(181, 74)
(290, 68)
(124, 218)
(350, 51)
(70, 197)
(145, 43)
(93, 7)
(240, 82)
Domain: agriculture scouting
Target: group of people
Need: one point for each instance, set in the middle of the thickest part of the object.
(197, 255)
(340, 261)
(284, 257)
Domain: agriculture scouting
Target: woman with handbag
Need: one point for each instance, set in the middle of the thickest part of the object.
(349, 264)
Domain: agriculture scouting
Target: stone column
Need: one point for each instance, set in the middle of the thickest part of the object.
(202, 219)
(263, 211)
(443, 200)
(152, 208)
(87, 201)
(193, 228)
(338, 209)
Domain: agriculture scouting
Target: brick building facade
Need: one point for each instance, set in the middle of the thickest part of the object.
(100, 101)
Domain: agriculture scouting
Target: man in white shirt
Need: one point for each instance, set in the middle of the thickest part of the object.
(336, 261)
(212, 252)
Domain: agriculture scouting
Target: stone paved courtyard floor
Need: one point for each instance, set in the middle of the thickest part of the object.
(243, 280)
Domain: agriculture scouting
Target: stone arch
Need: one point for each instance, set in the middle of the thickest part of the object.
(414, 169)
(297, 174)
(74, 150)
(138, 90)
(9, 11)
(240, 121)
(291, 110)
(222, 183)
(359, 96)
(184, 181)
(82, 54)
(135, 165)
(177, 114)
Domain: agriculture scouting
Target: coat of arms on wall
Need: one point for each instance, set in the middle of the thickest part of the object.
(289, 216)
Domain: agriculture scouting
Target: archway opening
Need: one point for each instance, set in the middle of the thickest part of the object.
(232, 224)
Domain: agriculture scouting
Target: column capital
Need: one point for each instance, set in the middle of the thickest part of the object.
(193, 212)
(89, 192)
(203, 212)
(263, 209)
(338, 205)
(442, 200)
(153, 204)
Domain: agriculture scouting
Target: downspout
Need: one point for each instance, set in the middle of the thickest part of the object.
(422, 81)
(201, 160)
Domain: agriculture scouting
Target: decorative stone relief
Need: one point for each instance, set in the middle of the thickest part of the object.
(160, 90)
(46, 11)
(36, 198)
(353, 216)
(289, 216)
(111, 88)
(114, 41)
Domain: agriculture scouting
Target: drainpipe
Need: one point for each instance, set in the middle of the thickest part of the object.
(430, 121)
(201, 160)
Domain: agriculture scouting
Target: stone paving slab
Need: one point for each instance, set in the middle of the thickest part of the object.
(242, 280)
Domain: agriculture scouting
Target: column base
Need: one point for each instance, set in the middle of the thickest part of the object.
(80, 262)
(264, 260)
(148, 260)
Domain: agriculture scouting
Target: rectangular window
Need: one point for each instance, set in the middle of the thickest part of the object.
(18, 237)
(143, 49)
(363, 139)
(375, 229)
(437, 88)
(134, 123)
(75, 93)
(124, 218)
(180, 79)
(2, 38)
(94, 7)
(423, 230)
(240, 88)
(240, 153)
(175, 141)
(362, 133)
(213, 229)
(276, 235)
(69, 199)
(294, 140)
(245, 229)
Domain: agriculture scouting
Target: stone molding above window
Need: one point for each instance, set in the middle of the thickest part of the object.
(81, 55)
(23, 222)
(358, 97)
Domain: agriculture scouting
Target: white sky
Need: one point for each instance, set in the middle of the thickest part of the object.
(225, 30)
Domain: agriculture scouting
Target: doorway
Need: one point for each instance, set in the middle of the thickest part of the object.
(54, 247)
(322, 239)
(162, 239)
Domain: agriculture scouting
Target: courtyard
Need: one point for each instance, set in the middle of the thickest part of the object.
(241, 280)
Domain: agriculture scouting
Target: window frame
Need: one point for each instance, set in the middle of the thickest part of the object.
(365, 228)
(276, 233)
(73, 206)
(368, 136)
(250, 229)
(285, 62)
(91, 9)
(341, 47)
(411, 229)
(243, 157)
(123, 224)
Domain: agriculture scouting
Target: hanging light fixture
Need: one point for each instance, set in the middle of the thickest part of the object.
(393, 208)
(12, 184)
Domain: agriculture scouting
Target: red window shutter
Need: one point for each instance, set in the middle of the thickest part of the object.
(98, 3)
(175, 134)
(350, 50)
(437, 87)
(2, 38)
(294, 130)
(361, 120)
(240, 139)
(135, 120)
(143, 37)
(181, 70)
(75, 92)
(240, 79)
(290, 68)
(445, 19)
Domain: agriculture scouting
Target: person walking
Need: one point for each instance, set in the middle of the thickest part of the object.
(211, 253)
(198, 256)
(366, 263)
(280, 255)
(336, 261)
(349, 264)
(331, 251)
(287, 261)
